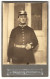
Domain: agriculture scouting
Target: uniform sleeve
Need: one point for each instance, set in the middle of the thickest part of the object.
(10, 46)
(34, 39)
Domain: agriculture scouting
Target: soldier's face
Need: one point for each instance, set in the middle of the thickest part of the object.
(22, 19)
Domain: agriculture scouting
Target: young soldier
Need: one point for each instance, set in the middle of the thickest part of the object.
(22, 42)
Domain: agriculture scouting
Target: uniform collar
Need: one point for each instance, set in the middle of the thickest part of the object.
(22, 25)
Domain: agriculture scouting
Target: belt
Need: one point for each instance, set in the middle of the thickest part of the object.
(19, 46)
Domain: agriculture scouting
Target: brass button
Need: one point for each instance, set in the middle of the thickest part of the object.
(23, 40)
(23, 43)
(23, 37)
(22, 32)
(22, 29)
(22, 26)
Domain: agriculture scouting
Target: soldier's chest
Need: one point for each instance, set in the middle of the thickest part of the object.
(22, 33)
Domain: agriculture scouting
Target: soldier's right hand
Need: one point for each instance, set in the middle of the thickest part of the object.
(28, 46)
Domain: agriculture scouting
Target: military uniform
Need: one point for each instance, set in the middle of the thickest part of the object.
(22, 36)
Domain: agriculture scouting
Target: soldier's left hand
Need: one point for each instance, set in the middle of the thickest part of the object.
(28, 46)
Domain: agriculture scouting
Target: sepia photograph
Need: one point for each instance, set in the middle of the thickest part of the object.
(24, 33)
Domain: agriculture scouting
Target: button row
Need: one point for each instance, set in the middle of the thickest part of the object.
(23, 35)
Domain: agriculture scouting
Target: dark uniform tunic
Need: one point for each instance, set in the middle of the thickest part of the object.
(22, 36)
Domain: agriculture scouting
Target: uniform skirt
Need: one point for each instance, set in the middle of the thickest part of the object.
(22, 56)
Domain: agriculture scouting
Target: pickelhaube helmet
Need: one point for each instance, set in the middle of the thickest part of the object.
(22, 12)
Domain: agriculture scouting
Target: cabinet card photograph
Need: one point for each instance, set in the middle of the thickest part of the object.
(24, 29)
